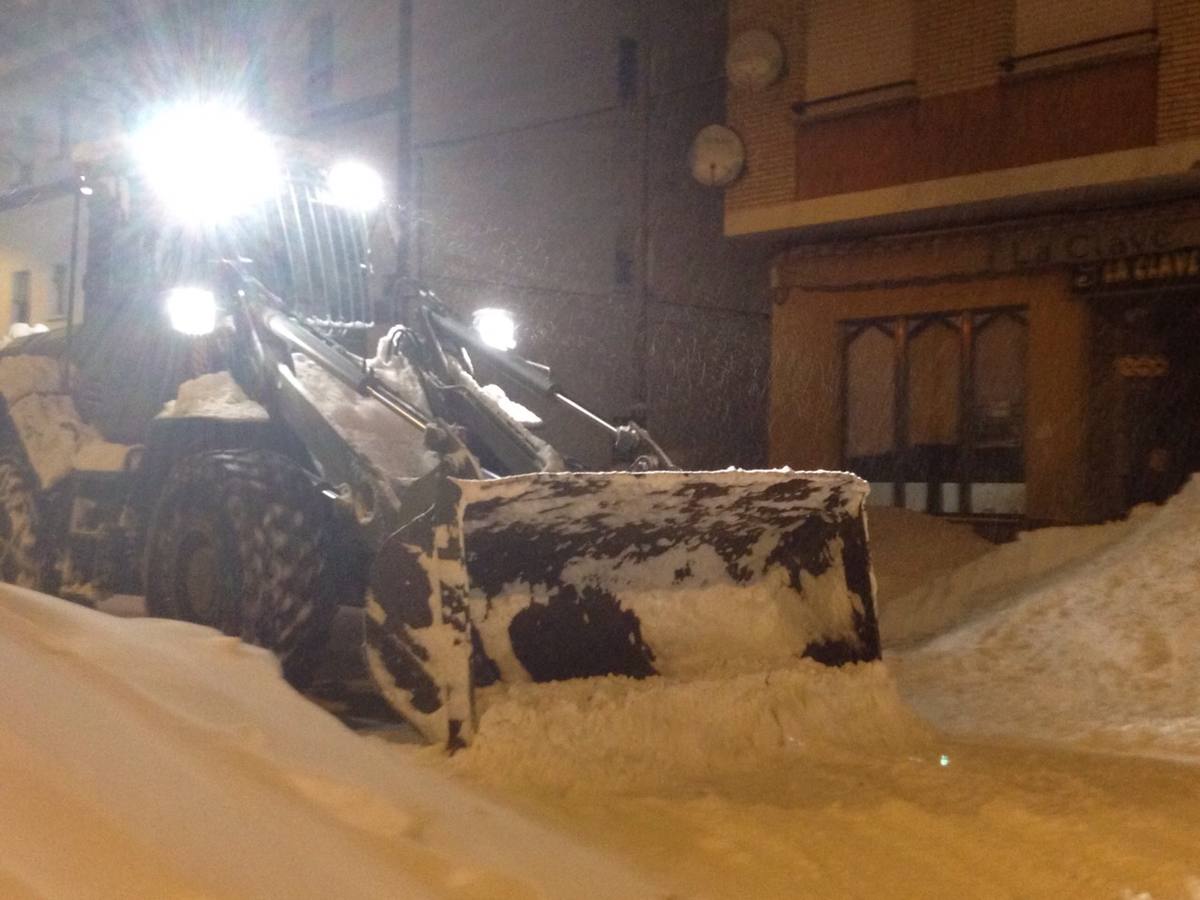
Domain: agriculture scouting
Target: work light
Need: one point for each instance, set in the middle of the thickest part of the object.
(496, 327)
(355, 186)
(192, 310)
(208, 162)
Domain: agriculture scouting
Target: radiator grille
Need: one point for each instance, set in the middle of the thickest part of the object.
(320, 255)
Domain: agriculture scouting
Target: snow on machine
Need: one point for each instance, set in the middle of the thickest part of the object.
(215, 437)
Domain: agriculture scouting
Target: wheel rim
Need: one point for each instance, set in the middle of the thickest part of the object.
(198, 582)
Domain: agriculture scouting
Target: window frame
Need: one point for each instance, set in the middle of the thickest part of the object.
(901, 328)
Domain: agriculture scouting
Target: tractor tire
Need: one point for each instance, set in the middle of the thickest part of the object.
(239, 541)
(21, 557)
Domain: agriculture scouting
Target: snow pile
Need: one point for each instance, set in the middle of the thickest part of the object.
(494, 398)
(21, 376)
(516, 411)
(213, 396)
(380, 435)
(152, 759)
(101, 456)
(909, 549)
(682, 734)
(55, 439)
(1103, 652)
(943, 598)
(18, 330)
(395, 371)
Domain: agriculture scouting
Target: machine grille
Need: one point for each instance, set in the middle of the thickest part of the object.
(321, 251)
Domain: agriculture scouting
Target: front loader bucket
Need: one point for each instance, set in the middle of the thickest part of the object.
(570, 575)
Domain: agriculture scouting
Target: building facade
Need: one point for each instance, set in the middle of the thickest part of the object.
(988, 301)
(537, 152)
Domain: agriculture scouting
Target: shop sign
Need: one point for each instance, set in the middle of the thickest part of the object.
(1146, 270)
(1142, 366)
(1090, 243)
(1084, 244)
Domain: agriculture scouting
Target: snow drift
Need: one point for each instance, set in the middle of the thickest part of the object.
(958, 575)
(152, 758)
(669, 733)
(214, 395)
(55, 439)
(909, 550)
(1093, 637)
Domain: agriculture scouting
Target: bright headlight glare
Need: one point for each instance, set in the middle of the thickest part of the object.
(355, 186)
(496, 327)
(192, 310)
(207, 162)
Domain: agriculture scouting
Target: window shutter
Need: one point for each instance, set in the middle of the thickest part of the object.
(1045, 25)
(855, 45)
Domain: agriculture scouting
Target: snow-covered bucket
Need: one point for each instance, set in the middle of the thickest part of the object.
(554, 576)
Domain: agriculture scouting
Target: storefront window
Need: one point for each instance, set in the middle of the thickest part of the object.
(934, 409)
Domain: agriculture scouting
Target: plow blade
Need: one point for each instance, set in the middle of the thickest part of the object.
(569, 575)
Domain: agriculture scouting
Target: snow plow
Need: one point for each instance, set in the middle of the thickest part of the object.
(257, 470)
(552, 576)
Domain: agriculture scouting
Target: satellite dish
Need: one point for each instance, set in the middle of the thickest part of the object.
(717, 157)
(755, 60)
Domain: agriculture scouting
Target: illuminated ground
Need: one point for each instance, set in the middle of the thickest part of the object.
(1040, 744)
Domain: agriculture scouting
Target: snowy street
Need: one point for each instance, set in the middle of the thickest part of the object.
(1042, 744)
(600, 450)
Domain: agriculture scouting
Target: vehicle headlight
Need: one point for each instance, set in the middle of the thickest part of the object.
(192, 310)
(208, 162)
(496, 327)
(355, 186)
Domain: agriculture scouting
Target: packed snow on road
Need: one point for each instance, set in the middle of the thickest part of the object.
(1033, 731)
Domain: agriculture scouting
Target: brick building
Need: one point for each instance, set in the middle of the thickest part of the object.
(988, 296)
